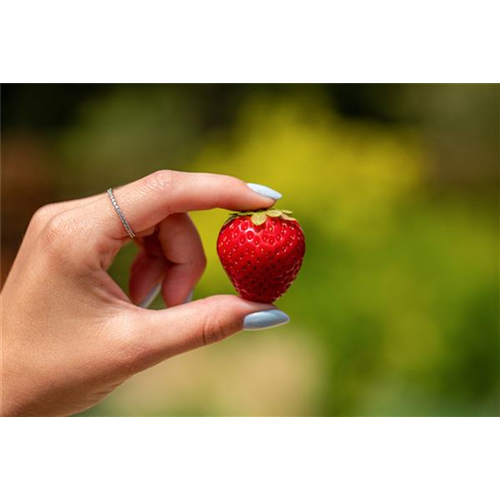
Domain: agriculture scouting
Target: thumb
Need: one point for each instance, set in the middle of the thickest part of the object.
(159, 335)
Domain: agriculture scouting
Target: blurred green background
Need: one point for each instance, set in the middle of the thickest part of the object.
(396, 309)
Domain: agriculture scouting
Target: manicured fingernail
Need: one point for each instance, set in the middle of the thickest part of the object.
(265, 191)
(151, 296)
(189, 298)
(265, 319)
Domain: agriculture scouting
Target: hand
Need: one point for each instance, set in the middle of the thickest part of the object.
(70, 335)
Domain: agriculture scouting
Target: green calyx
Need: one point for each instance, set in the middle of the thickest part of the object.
(258, 217)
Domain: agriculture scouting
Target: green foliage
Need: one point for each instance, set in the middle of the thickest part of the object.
(396, 309)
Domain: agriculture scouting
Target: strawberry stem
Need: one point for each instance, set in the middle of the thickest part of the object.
(258, 217)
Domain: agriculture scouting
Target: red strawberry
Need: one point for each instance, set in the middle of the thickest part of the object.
(261, 253)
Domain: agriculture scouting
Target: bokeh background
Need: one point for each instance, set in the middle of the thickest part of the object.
(396, 309)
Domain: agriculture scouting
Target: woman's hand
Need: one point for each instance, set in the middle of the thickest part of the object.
(70, 335)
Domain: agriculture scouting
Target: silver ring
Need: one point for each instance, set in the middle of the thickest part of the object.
(120, 213)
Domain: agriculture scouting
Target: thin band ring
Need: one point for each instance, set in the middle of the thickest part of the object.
(120, 213)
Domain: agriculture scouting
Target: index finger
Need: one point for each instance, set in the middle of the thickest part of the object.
(149, 200)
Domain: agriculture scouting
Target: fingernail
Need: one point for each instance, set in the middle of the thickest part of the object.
(265, 191)
(265, 319)
(151, 296)
(189, 298)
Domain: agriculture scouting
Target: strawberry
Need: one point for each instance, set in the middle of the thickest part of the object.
(261, 252)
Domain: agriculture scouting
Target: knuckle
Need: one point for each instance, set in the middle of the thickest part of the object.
(215, 329)
(161, 180)
(57, 235)
(43, 215)
(55, 229)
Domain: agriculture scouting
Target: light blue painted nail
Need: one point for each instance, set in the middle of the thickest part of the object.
(151, 296)
(265, 191)
(265, 319)
(189, 298)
